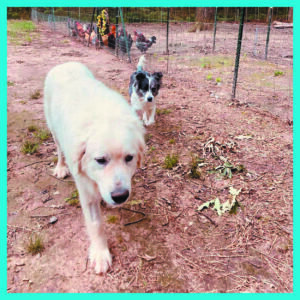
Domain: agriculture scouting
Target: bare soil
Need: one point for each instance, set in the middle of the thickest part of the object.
(159, 240)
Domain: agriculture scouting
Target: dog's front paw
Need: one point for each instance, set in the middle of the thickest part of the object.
(61, 171)
(100, 259)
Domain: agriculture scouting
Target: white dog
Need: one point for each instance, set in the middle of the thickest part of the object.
(99, 140)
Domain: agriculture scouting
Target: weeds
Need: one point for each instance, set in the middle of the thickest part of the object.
(194, 165)
(10, 83)
(209, 77)
(32, 128)
(163, 111)
(43, 135)
(74, 199)
(227, 169)
(170, 161)
(36, 95)
(278, 73)
(29, 147)
(35, 245)
(112, 219)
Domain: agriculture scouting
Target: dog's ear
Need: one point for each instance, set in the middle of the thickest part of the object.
(158, 76)
(140, 76)
(78, 157)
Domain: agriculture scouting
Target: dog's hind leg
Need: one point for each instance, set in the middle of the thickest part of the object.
(89, 198)
(61, 170)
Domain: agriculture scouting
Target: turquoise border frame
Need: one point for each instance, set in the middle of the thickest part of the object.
(155, 3)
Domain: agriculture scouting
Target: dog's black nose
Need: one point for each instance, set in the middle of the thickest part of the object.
(150, 99)
(120, 196)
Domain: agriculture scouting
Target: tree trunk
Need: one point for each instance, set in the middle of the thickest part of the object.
(204, 19)
(290, 17)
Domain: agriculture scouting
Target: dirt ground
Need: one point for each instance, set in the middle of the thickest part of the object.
(160, 241)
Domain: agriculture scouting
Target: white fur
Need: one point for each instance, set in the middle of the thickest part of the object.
(89, 120)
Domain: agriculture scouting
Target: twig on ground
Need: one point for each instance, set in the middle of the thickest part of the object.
(135, 211)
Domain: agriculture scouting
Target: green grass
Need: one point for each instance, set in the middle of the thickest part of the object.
(278, 73)
(35, 245)
(21, 31)
(42, 135)
(29, 147)
(209, 77)
(10, 83)
(74, 199)
(172, 141)
(171, 161)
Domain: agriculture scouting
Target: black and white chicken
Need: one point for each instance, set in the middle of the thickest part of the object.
(142, 43)
(122, 42)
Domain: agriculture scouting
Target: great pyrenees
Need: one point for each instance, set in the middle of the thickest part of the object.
(99, 140)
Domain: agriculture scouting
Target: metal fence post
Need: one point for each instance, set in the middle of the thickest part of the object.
(215, 29)
(167, 43)
(238, 52)
(125, 35)
(268, 34)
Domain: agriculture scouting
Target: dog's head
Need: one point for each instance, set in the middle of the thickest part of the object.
(147, 85)
(110, 156)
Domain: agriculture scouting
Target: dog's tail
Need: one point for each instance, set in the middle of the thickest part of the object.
(141, 63)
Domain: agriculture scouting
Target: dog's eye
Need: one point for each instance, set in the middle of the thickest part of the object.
(128, 158)
(101, 160)
(153, 90)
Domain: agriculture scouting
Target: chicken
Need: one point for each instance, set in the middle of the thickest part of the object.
(122, 42)
(142, 43)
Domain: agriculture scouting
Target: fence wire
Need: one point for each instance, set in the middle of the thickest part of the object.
(183, 51)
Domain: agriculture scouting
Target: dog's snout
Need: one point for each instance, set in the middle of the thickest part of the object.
(120, 196)
(150, 99)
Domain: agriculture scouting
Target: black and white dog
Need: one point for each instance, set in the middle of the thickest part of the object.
(143, 89)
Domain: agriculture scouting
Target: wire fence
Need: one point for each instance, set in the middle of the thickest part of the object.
(180, 49)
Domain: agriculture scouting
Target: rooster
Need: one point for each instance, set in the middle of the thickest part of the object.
(142, 43)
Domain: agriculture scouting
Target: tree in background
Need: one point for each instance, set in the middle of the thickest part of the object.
(204, 19)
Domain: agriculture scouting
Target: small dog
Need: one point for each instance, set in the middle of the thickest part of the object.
(99, 140)
(143, 89)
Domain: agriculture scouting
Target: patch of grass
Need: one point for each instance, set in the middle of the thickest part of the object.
(194, 167)
(29, 147)
(42, 135)
(278, 73)
(218, 80)
(171, 161)
(36, 95)
(112, 219)
(32, 128)
(172, 141)
(74, 199)
(209, 77)
(152, 148)
(10, 83)
(35, 245)
(163, 111)
(20, 31)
